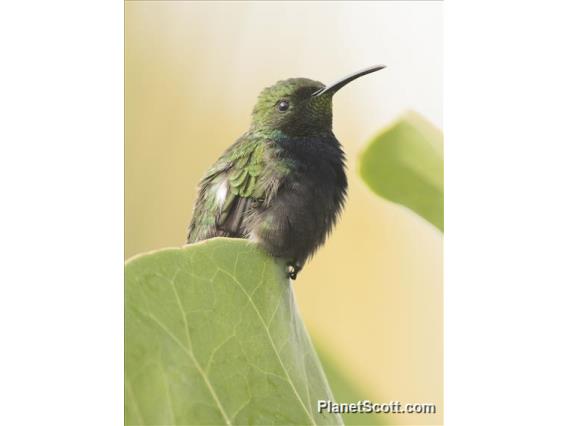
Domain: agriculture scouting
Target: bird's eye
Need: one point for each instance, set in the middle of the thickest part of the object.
(283, 106)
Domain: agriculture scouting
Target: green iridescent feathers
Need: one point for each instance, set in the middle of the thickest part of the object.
(247, 174)
(307, 115)
(247, 167)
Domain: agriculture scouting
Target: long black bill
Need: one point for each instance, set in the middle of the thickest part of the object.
(331, 89)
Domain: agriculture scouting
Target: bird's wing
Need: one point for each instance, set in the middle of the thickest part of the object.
(242, 188)
(228, 191)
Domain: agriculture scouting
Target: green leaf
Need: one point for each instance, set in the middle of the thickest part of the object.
(405, 164)
(213, 336)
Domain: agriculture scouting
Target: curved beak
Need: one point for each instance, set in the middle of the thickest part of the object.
(331, 89)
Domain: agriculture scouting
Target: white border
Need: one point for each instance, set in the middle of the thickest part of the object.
(506, 269)
(61, 235)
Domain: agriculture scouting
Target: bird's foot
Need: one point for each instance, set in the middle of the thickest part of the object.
(293, 270)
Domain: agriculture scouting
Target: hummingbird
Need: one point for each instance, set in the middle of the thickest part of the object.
(282, 184)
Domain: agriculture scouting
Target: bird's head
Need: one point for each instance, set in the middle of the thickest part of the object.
(299, 106)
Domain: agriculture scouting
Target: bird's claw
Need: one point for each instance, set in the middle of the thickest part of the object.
(293, 270)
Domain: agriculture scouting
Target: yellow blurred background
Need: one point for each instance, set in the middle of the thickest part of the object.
(372, 297)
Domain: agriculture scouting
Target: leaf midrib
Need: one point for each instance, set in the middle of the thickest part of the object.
(272, 344)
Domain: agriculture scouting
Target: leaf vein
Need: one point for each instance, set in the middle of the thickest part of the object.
(273, 347)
